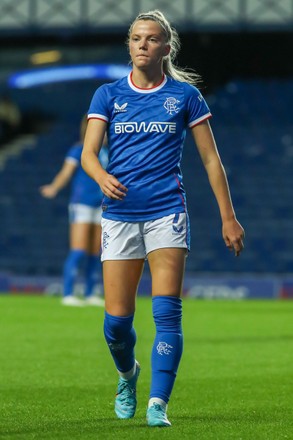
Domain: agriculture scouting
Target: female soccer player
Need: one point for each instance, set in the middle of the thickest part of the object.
(146, 115)
(85, 222)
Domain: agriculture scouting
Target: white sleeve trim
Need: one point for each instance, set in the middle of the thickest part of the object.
(97, 116)
(197, 121)
(72, 160)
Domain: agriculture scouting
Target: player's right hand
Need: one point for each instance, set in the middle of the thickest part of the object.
(48, 191)
(111, 187)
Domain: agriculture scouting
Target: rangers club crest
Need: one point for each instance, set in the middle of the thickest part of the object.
(171, 105)
(164, 348)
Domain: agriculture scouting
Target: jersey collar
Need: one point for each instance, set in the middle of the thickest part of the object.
(151, 90)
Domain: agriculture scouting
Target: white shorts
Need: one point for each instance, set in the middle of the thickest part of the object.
(129, 241)
(79, 213)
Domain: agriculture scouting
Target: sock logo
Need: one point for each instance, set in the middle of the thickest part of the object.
(164, 348)
(119, 346)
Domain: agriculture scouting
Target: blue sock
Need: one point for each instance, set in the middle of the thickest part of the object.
(91, 273)
(70, 271)
(121, 338)
(168, 345)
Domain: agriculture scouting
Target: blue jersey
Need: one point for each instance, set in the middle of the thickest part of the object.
(146, 133)
(84, 189)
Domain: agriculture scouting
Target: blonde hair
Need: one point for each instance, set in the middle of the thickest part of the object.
(172, 38)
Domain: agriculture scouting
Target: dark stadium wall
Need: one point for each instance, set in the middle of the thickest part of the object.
(222, 57)
(218, 57)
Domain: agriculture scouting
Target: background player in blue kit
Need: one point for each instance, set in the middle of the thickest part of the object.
(146, 115)
(85, 222)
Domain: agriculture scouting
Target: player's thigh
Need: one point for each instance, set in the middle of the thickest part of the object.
(123, 255)
(94, 217)
(95, 239)
(80, 236)
(167, 267)
(121, 280)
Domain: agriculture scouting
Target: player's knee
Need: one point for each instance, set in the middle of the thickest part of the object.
(167, 313)
(118, 328)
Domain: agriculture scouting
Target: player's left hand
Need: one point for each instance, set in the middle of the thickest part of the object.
(233, 235)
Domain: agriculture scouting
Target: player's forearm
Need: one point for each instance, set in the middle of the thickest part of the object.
(220, 187)
(60, 181)
(91, 165)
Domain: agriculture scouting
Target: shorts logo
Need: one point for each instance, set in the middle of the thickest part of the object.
(120, 108)
(175, 221)
(178, 230)
(171, 105)
(164, 348)
(105, 240)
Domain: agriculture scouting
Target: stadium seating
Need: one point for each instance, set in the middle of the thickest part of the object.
(254, 133)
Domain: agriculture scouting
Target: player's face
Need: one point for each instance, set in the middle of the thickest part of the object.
(147, 44)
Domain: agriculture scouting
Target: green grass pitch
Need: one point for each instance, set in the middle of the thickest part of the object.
(57, 380)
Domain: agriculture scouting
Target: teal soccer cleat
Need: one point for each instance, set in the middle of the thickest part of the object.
(156, 416)
(125, 402)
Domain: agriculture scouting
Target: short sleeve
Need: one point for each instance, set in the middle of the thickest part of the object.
(197, 108)
(74, 155)
(99, 105)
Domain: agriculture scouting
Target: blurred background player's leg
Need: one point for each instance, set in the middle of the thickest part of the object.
(71, 268)
(79, 239)
(92, 271)
(93, 268)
